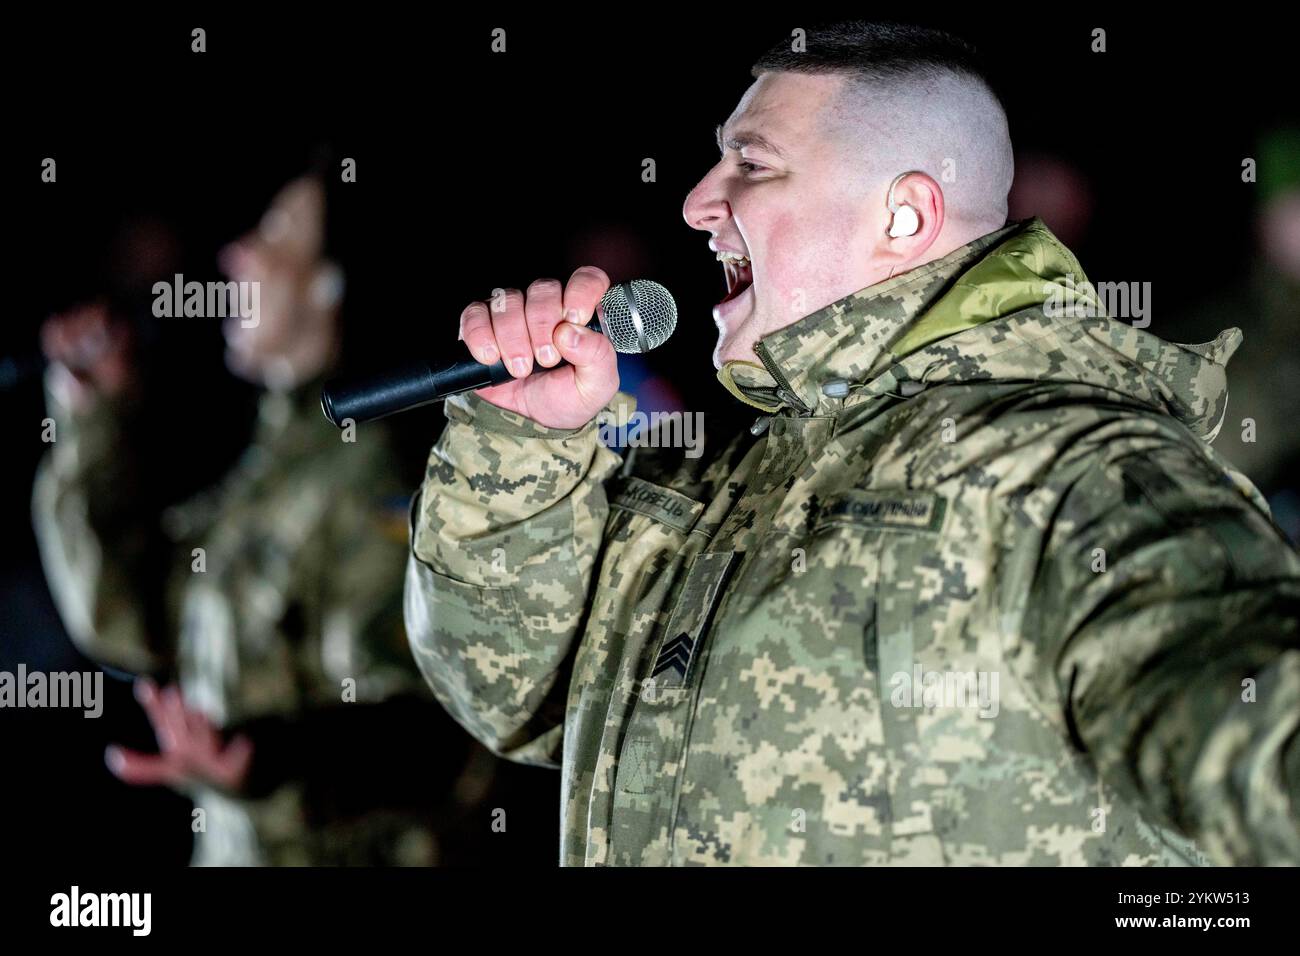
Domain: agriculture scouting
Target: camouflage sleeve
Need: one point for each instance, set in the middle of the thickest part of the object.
(505, 533)
(99, 551)
(1162, 624)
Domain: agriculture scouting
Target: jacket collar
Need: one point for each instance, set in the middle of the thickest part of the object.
(1013, 305)
(850, 340)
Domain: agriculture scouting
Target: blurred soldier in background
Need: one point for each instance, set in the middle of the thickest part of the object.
(268, 608)
(1259, 435)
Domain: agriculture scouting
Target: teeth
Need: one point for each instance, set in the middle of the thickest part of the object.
(733, 257)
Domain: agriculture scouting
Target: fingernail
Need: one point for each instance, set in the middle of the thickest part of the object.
(571, 315)
(546, 354)
(489, 354)
(519, 366)
(570, 337)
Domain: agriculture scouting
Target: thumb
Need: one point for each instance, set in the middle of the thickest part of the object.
(595, 364)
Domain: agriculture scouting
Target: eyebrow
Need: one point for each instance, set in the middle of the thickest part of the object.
(743, 138)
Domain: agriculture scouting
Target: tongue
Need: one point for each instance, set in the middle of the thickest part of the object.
(743, 281)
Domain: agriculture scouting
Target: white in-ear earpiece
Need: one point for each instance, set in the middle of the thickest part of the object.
(905, 221)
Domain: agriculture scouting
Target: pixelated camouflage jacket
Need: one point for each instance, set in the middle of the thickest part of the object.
(979, 594)
(274, 588)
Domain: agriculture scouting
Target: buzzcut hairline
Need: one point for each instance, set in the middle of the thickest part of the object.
(865, 51)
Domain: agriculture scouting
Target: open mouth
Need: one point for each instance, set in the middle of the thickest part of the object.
(739, 274)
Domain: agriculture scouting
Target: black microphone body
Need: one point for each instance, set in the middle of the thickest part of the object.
(410, 386)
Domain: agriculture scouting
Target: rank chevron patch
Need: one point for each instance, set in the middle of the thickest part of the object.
(675, 654)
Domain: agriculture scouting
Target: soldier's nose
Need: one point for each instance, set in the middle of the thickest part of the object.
(704, 209)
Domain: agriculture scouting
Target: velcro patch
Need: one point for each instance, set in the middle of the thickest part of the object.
(900, 510)
(662, 504)
(706, 579)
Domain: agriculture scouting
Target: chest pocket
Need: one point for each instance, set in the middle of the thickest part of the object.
(921, 591)
(882, 544)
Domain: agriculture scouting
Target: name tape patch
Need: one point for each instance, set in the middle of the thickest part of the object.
(903, 510)
(662, 504)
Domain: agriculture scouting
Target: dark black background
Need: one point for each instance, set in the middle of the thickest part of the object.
(478, 170)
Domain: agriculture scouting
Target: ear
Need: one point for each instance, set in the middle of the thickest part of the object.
(917, 199)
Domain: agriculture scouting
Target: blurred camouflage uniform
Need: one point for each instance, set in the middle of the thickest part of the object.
(714, 650)
(299, 590)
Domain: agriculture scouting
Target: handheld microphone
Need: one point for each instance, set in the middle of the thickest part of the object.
(636, 316)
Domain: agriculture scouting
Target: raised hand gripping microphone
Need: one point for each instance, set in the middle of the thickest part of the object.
(636, 316)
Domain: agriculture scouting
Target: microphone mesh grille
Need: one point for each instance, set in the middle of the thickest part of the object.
(638, 302)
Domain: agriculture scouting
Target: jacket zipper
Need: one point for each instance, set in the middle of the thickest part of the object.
(784, 389)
